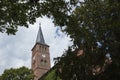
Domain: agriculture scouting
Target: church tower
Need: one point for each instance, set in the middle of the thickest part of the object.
(40, 56)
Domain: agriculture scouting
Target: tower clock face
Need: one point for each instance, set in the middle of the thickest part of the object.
(43, 55)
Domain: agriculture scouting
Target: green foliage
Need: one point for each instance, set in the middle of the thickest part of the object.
(14, 13)
(19, 13)
(51, 75)
(21, 73)
(93, 26)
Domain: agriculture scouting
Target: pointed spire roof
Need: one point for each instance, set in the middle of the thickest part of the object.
(40, 38)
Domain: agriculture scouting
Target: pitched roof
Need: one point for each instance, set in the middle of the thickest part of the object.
(40, 38)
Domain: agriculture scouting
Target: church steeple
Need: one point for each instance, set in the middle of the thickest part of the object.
(40, 56)
(40, 38)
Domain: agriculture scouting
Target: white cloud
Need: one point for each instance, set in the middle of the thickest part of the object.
(15, 51)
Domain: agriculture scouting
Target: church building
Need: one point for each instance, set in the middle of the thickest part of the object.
(40, 61)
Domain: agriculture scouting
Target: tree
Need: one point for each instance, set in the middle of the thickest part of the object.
(16, 13)
(93, 26)
(20, 13)
(21, 73)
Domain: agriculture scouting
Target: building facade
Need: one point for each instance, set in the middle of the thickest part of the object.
(40, 56)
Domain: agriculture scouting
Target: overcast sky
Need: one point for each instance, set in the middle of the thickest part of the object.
(15, 50)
